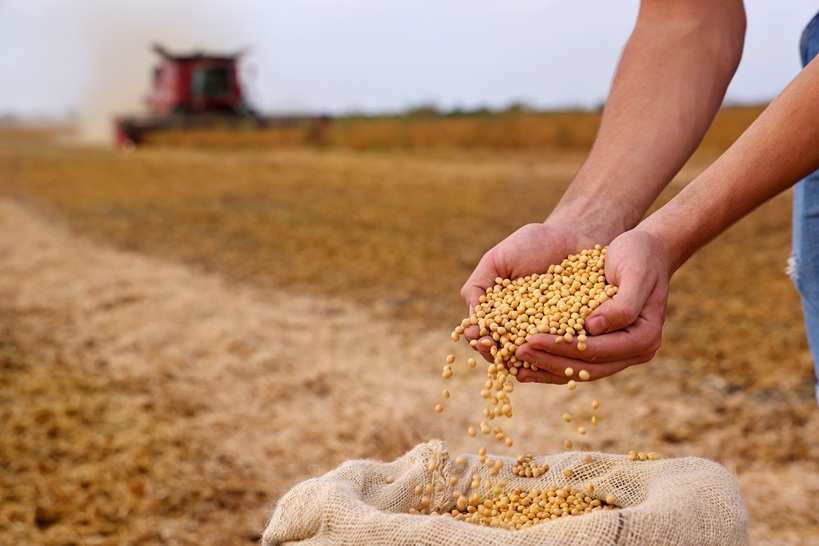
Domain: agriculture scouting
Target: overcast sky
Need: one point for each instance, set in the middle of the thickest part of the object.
(338, 56)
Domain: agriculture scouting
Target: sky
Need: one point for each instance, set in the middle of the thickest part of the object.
(93, 58)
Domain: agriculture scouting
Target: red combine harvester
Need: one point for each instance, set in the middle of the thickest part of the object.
(200, 91)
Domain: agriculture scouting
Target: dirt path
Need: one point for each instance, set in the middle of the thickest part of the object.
(282, 389)
(276, 388)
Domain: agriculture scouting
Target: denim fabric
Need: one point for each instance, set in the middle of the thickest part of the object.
(804, 267)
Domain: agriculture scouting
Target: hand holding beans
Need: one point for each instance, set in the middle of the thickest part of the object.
(627, 329)
(555, 303)
(531, 249)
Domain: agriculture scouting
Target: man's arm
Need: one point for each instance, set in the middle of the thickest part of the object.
(669, 84)
(778, 150)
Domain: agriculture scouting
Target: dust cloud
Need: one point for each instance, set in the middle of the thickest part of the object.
(118, 39)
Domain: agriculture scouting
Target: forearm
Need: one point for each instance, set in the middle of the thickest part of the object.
(669, 84)
(780, 148)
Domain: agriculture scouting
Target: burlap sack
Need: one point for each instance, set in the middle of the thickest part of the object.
(665, 502)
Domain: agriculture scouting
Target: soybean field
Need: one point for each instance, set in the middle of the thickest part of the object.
(188, 332)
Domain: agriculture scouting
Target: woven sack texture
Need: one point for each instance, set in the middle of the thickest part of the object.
(683, 501)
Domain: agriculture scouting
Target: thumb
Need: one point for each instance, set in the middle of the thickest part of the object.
(622, 309)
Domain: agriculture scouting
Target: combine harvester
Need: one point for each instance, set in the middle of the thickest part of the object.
(202, 91)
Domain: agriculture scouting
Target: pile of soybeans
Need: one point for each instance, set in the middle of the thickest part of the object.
(519, 509)
(556, 303)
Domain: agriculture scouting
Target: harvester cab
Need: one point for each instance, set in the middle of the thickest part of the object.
(195, 83)
(196, 90)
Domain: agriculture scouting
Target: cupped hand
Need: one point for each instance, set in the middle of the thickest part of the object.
(531, 249)
(625, 330)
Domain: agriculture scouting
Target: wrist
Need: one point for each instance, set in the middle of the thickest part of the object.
(666, 244)
(592, 221)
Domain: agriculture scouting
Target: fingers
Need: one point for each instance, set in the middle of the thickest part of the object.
(556, 360)
(621, 311)
(527, 375)
(641, 339)
(634, 266)
(475, 287)
(596, 371)
(605, 354)
(484, 347)
(482, 277)
(472, 332)
(484, 344)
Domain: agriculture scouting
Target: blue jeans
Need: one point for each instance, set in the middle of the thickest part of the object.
(804, 265)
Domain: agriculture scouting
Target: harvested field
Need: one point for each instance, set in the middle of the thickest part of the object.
(184, 335)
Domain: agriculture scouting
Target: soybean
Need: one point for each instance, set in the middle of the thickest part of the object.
(519, 509)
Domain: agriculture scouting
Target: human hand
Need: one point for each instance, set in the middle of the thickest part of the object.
(530, 249)
(625, 330)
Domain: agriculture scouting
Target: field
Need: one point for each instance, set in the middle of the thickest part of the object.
(188, 331)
